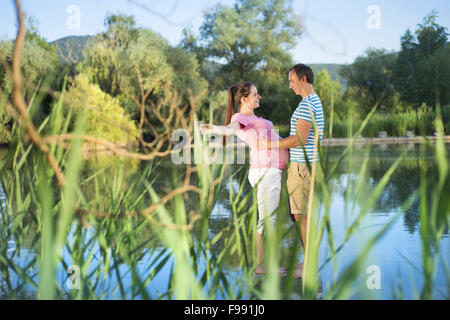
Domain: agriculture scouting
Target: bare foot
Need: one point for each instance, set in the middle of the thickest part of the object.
(262, 270)
(298, 272)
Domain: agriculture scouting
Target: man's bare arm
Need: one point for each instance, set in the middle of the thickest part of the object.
(303, 128)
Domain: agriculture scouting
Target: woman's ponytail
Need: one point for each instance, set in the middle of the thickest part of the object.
(235, 93)
(231, 108)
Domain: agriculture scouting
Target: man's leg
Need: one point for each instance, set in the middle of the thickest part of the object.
(301, 222)
(298, 188)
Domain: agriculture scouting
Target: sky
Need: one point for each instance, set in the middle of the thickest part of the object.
(333, 31)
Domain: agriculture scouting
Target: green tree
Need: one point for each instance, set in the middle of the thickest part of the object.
(145, 72)
(371, 75)
(187, 76)
(151, 79)
(38, 62)
(329, 91)
(139, 62)
(103, 62)
(153, 71)
(250, 41)
(5, 128)
(104, 116)
(254, 34)
(423, 64)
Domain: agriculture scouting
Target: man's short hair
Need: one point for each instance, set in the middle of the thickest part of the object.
(303, 70)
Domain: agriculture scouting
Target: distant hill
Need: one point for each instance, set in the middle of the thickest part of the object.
(332, 69)
(70, 49)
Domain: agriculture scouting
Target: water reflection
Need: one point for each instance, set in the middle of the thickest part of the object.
(404, 182)
(101, 191)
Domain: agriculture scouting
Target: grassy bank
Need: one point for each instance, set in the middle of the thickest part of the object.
(420, 122)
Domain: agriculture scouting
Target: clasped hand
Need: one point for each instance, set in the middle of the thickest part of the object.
(205, 128)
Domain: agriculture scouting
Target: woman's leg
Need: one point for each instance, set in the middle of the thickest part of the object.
(254, 177)
(268, 198)
(260, 254)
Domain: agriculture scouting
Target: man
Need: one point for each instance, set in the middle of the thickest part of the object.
(301, 79)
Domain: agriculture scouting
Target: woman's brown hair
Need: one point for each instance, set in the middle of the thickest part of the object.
(235, 94)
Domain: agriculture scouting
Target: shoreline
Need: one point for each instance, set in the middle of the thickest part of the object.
(325, 142)
(385, 140)
(358, 141)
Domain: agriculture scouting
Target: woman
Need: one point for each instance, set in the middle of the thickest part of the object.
(266, 166)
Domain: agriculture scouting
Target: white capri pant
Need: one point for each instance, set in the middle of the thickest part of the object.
(268, 184)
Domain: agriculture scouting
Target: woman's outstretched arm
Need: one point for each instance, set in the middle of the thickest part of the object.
(221, 130)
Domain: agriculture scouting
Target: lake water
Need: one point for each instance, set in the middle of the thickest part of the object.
(396, 257)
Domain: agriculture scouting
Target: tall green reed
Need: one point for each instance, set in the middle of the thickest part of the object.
(434, 216)
(109, 252)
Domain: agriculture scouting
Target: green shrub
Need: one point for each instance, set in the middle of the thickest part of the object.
(5, 131)
(105, 118)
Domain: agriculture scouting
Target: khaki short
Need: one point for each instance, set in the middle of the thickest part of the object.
(298, 185)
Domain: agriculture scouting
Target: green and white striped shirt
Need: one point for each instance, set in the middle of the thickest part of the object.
(307, 109)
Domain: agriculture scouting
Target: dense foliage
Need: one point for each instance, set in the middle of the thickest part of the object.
(137, 71)
(103, 115)
(417, 74)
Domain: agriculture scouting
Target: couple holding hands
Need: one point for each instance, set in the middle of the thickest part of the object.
(270, 154)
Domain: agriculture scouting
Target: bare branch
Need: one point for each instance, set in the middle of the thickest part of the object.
(19, 102)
